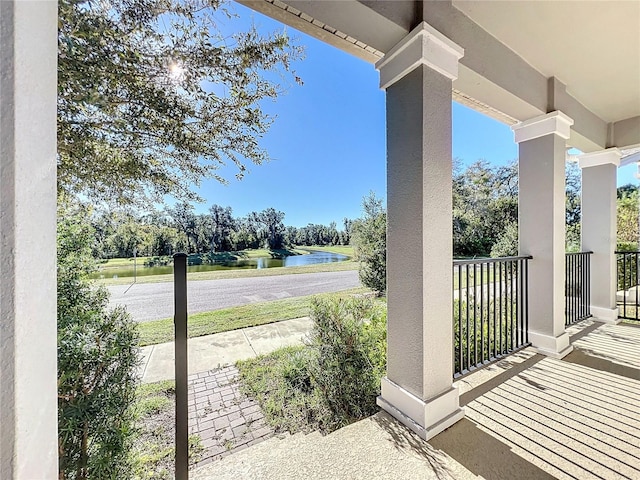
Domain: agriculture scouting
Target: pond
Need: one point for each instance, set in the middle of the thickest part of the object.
(314, 257)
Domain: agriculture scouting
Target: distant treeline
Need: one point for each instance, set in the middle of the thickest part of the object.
(485, 221)
(179, 228)
(485, 210)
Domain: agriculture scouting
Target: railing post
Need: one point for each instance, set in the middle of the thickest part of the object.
(181, 368)
(627, 277)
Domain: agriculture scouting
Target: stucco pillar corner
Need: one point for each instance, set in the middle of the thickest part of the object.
(418, 389)
(599, 232)
(541, 226)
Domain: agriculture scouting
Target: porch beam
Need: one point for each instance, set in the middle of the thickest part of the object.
(625, 133)
(599, 232)
(28, 385)
(541, 226)
(417, 76)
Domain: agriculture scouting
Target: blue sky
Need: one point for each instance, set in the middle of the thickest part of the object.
(327, 143)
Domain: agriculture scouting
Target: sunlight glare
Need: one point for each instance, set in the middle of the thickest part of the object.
(176, 71)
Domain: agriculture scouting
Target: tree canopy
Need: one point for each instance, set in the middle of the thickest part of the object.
(153, 97)
(627, 218)
(180, 228)
(369, 237)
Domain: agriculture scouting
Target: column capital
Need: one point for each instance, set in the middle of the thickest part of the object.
(601, 157)
(552, 123)
(424, 45)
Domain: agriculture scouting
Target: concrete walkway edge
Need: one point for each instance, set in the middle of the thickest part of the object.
(220, 349)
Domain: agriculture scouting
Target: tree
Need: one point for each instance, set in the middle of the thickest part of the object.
(507, 243)
(369, 238)
(97, 359)
(273, 222)
(166, 240)
(573, 206)
(626, 190)
(346, 234)
(129, 237)
(153, 97)
(184, 221)
(627, 222)
(485, 201)
(221, 224)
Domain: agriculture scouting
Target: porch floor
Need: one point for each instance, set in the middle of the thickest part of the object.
(527, 417)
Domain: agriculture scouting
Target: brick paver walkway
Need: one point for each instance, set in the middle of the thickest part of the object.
(225, 419)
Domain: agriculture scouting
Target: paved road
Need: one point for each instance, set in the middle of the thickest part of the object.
(151, 301)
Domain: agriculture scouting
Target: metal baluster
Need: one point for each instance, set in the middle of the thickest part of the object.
(466, 287)
(482, 313)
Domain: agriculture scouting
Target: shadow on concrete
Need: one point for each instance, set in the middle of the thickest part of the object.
(513, 369)
(584, 331)
(485, 455)
(405, 439)
(589, 358)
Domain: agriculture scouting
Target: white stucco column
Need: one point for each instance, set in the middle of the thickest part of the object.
(541, 226)
(599, 231)
(28, 386)
(417, 76)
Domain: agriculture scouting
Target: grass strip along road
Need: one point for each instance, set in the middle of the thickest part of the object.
(217, 321)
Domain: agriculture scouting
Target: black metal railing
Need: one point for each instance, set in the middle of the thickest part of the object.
(490, 310)
(628, 297)
(577, 268)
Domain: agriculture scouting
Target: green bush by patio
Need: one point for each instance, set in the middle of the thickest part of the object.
(334, 379)
(97, 360)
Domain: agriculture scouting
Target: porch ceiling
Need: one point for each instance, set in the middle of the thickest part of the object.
(522, 58)
(592, 47)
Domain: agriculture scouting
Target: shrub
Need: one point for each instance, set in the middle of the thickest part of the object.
(158, 261)
(369, 239)
(333, 380)
(97, 358)
(627, 246)
(349, 341)
(281, 383)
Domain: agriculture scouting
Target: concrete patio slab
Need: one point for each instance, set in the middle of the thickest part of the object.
(526, 417)
(375, 448)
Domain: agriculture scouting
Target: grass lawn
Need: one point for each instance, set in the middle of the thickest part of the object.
(341, 249)
(152, 455)
(120, 262)
(217, 321)
(487, 277)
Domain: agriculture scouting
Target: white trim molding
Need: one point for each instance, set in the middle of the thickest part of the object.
(555, 347)
(424, 45)
(605, 315)
(552, 123)
(426, 418)
(602, 157)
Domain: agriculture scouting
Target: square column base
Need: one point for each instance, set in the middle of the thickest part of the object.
(427, 419)
(555, 347)
(605, 315)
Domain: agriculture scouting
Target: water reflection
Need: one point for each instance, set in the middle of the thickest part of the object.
(312, 258)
